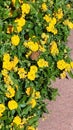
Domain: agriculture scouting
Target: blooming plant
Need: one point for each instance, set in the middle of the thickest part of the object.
(33, 52)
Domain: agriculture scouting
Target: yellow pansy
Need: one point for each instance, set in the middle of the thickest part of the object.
(67, 67)
(61, 64)
(20, 23)
(4, 72)
(71, 63)
(59, 14)
(8, 80)
(47, 18)
(52, 29)
(7, 65)
(30, 128)
(12, 104)
(6, 57)
(10, 92)
(41, 47)
(15, 61)
(15, 40)
(33, 103)
(13, 2)
(44, 7)
(42, 63)
(28, 54)
(68, 6)
(2, 108)
(44, 36)
(31, 75)
(1, 114)
(25, 8)
(68, 23)
(54, 49)
(33, 68)
(17, 120)
(37, 94)
(28, 91)
(63, 75)
(33, 46)
(22, 73)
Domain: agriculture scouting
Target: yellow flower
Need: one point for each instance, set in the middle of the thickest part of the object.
(19, 29)
(68, 6)
(15, 61)
(7, 65)
(42, 48)
(54, 50)
(71, 63)
(42, 63)
(33, 103)
(52, 29)
(25, 8)
(61, 64)
(10, 92)
(2, 108)
(67, 67)
(63, 75)
(15, 40)
(8, 80)
(4, 72)
(53, 21)
(20, 23)
(59, 14)
(68, 23)
(6, 57)
(13, 2)
(12, 104)
(30, 128)
(31, 75)
(17, 120)
(33, 68)
(1, 114)
(33, 46)
(37, 94)
(28, 54)
(44, 7)
(44, 36)
(47, 18)
(28, 91)
(22, 73)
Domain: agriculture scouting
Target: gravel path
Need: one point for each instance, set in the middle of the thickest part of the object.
(61, 111)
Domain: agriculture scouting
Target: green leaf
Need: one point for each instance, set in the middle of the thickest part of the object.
(26, 110)
(32, 120)
(70, 74)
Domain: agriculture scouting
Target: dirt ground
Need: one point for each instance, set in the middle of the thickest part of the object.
(61, 111)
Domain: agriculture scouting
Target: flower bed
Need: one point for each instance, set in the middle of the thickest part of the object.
(33, 52)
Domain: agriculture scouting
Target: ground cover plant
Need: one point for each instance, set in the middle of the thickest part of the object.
(33, 52)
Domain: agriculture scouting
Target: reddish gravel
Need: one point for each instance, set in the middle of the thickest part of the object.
(61, 111)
